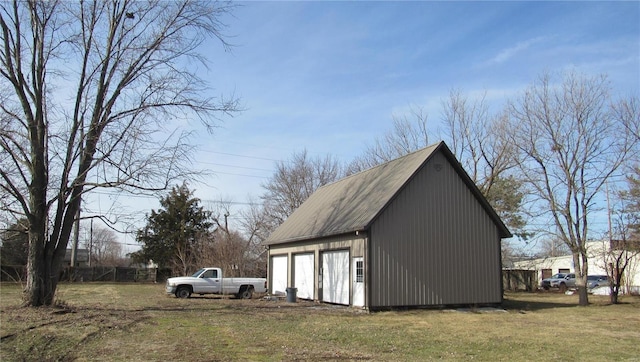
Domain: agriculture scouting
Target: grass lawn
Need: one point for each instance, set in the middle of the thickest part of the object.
(138, 322)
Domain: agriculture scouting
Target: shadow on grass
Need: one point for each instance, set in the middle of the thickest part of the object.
(512, 302)
(534, 301)
(528, 305)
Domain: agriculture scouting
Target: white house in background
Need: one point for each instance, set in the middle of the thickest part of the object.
(596, 251)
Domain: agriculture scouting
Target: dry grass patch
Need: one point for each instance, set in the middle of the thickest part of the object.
(118, 322)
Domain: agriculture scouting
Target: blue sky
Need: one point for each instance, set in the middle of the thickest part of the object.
(328, 76)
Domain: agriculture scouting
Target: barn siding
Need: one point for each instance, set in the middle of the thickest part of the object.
(434, 244)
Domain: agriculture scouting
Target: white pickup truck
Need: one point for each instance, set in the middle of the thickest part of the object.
(210, 281)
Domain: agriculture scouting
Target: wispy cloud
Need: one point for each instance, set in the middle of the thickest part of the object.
(509, 53)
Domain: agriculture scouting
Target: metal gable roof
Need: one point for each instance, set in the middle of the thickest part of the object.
(351, 203)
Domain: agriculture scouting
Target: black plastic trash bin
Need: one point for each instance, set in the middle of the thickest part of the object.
(291, 294)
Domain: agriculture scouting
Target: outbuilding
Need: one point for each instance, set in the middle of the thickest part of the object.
(601, 258)
(415, 231)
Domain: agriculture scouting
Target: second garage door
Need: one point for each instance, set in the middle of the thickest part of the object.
(303, 269)
(335, 277)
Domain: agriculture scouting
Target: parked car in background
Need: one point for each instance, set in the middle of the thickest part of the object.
(595, 281)
(562, 281)
(568, 282)
(555, 278)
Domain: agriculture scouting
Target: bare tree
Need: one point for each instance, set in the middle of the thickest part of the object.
(569, 143)
(622, 248)
(255, 223)
(204, 251)
(238, 248)
(479, 141)
(293, 182)
(552, 246)
(467, 123)
(628, 110)
(128, 66)
(102, 244)
(228, 246)
(476, 138)
(508, 254)
(408, 134)
(255, 228)
(229, 253)
(619, 257)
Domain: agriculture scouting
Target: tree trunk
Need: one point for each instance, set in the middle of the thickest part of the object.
(583, 298)
(42, 276)
(614, 293)
(581, 271)
(38, 291)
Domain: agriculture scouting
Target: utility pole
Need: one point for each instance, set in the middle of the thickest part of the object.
(609, 213)
(90, 241)
(76, 237)
(76, 233)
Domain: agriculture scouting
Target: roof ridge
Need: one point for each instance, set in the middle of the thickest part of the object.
(434, 145)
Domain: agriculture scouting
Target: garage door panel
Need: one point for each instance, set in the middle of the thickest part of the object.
(304, 275)
(278, 274)
(335, 277)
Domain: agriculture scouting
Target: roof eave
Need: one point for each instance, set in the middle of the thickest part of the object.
(315, 236)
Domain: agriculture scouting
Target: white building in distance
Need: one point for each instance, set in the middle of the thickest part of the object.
(599, 259)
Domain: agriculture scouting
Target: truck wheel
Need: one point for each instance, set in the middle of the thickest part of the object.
(563, 287)
(183, 292)
(246, 293)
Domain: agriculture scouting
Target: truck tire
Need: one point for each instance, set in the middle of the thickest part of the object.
(183, 292)
(245, 293)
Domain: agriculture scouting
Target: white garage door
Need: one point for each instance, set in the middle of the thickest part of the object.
(303, 269)
(335, 277)
(278, 275)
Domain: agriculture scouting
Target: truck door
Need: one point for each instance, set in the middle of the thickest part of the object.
(210, 281)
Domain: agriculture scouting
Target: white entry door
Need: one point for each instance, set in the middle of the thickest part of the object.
(335, 277)
(303, 270)
(278, 275)
(358, 281)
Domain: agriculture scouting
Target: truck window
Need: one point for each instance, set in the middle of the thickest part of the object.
(212, 273)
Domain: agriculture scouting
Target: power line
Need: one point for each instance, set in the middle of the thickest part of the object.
(242, 167)
(244, 156)
(254, 145)
(231, 202)
(239, 174)
(272, 148)
(209, 201)
(142, 196)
